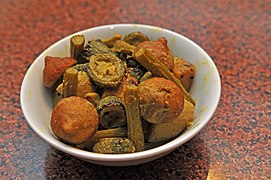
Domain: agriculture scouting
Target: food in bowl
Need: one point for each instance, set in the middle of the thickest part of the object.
(117, 95)
(206, 88)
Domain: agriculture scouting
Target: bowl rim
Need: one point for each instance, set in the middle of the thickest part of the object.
(162, 149)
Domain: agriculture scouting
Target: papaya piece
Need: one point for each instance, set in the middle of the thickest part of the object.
(54, 69)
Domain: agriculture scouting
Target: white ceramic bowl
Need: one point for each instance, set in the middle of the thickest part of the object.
(36, 100)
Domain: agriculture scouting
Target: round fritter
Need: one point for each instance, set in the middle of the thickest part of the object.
(160, 50)
(74, 120)
(161, 100)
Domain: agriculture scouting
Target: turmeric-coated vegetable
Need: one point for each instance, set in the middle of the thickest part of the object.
(77, 43)
(114, 146)
(123, 47)
(135, 38)
(135, 131)
(146, 76)
(93, 97)
(81, 67)
(110, 42)
(106, 70)
(93, 47)
(107, 133)
(165, 131)
(70, 82)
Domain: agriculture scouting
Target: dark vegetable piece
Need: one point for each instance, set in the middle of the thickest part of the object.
(121, 56)
(107, 133)
(131, 62)
(77, 43)
(150, 62)
(70, 82)
(111, 41)
(136, 72)
(123, 47)
(114, 146)
(81, 67)
(135, 131)
(106, 70)
(112, 116)
(135, 38)
(112, 112)
(93, 47)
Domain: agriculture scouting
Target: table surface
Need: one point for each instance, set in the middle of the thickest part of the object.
(235, 144)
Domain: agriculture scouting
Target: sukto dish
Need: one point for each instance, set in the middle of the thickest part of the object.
(119, 95)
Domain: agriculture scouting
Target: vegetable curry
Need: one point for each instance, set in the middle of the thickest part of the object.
(119, 95)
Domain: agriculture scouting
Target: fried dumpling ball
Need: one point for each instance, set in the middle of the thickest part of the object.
(161, 100)
(74, 120)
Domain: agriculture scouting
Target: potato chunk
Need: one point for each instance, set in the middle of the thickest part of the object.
(184, 71)
(161, 132)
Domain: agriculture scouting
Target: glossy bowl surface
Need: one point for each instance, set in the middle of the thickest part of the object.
(36, 100)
